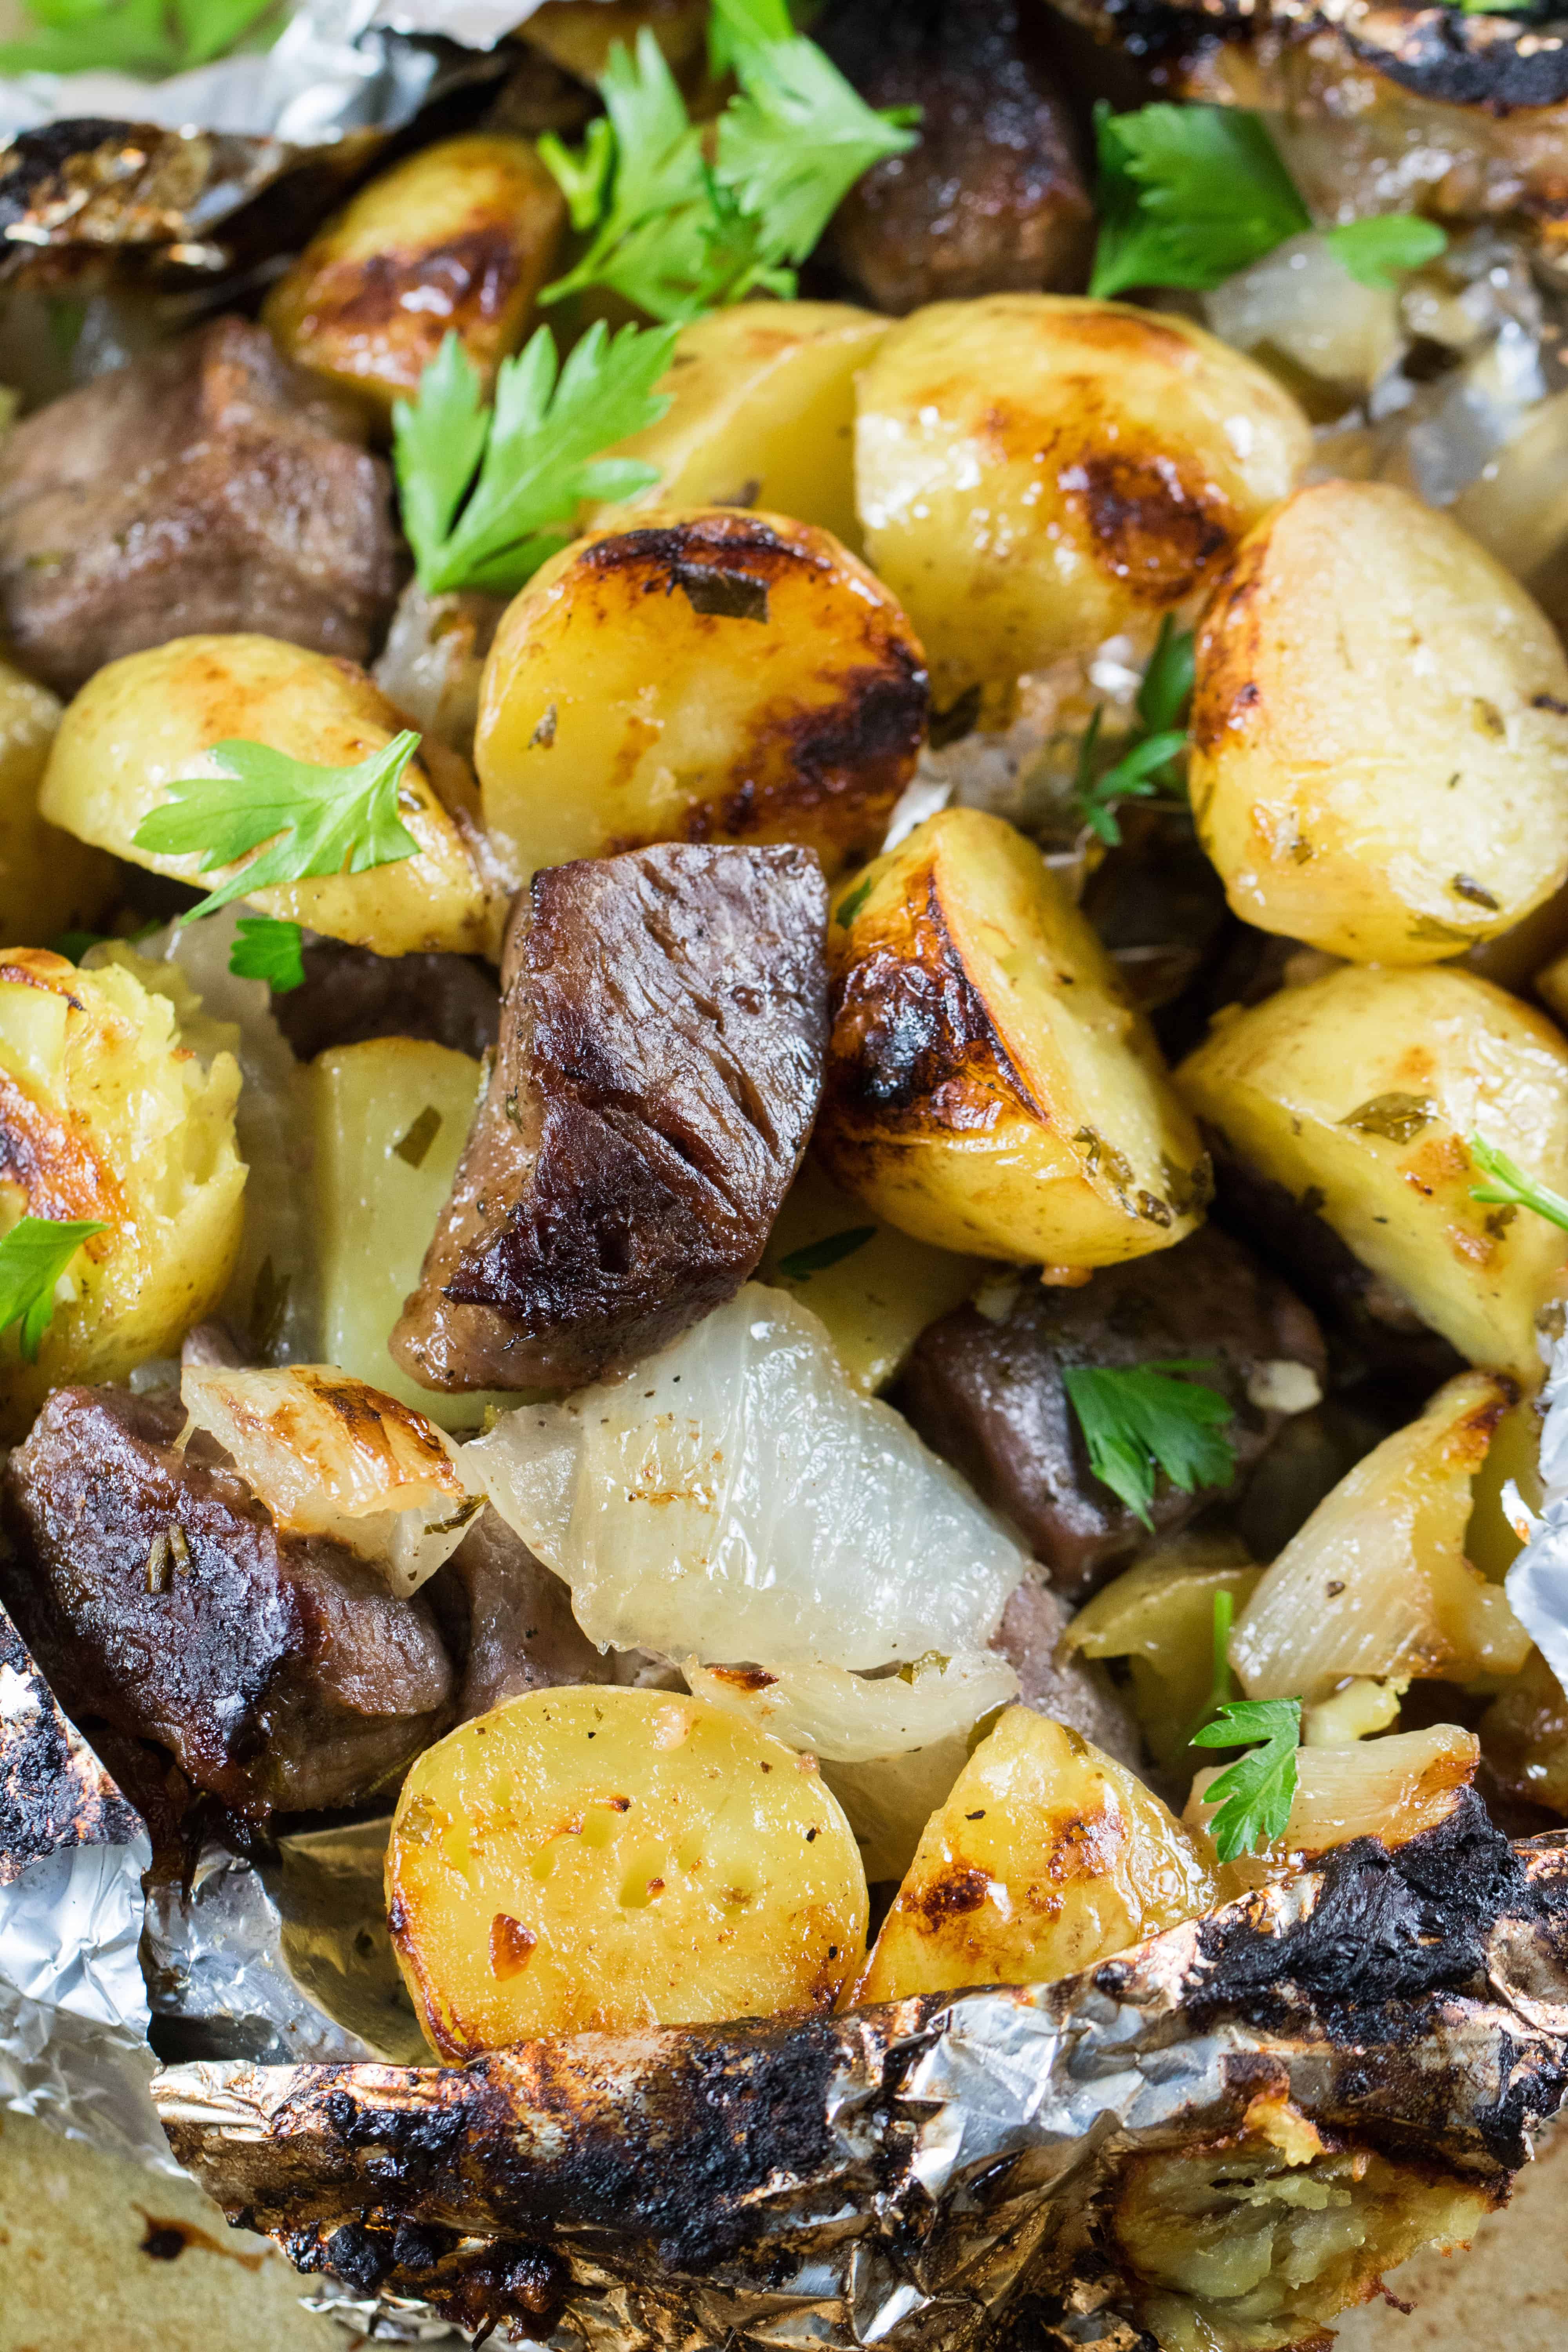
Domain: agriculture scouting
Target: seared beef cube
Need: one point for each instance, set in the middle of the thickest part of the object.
(986, 1389)
(350, 994)
(210, 486)
(992, 200)
(157, 1594)
(521, 1634)
(1073, 1691)
(663, 1026)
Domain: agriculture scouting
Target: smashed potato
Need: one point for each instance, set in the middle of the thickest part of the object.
(1038, 472)
(707, 676)
(107, 1115)
(1380, 731)
(1046, 1857)
(593, 1860)
(989, 1087)
(152, 718)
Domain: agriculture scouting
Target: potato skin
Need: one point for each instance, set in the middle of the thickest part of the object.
(1360, 1093)
(707, 676)
(456, 239)
(989, 1088)
(48, 882)
(1037, 472)
(152, 718)
(1380, 731)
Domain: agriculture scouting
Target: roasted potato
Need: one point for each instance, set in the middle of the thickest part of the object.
(1046, 1857)
(590, 1860)
(762, 414)
(153, 717)
(1160, 1617)
(48, 882)
(1035, 473)
(108, 1114)
(708, 675)
(1380, 731)
(989, 1088)
(456, 240)
(578, 35)
(1361, 1094)
(1376, 1584)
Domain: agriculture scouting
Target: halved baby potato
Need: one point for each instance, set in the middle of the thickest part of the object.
(1361, 1093)
(705, 675)
(989, 1087)
(1380, 731)
(1038, 472)
(597, 1859)
(48, 882)
(153, 717)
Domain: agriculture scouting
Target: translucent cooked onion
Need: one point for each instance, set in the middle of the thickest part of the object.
(734, 1498)
(1301, 300)
(1390, 1789)
(855, 1719)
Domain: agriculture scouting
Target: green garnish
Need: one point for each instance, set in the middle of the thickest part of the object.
(532, 458)
(817, 1257)
(1508, 1184)
(266, 948)
(1189, 195)
(1221, 1681)
(1144, 766)
(33, 1257)
(319, 820)
(139, 37)
(1141, 1421)
(1254, 1794)
(850, 906)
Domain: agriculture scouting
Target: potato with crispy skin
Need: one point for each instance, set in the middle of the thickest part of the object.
(456, 240)
(1037, 472)
(48, 882)
(154, 716)
(708, 675)
(1380, 731)
(989, 1087)
(589, 1860)
(1361, 1094)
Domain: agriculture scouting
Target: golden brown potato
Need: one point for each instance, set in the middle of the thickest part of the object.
(1361, 1092)
(48, 882)
(989, 1088)
(1376, 1585)
(593, 1860)
(1160, 1617)
(1380, 731)
(1046, 1858)
(456, 240)
(708, 675)
(153, 717)
(578, 35)
(1037, 472)
(762, 414)
(107, 1115)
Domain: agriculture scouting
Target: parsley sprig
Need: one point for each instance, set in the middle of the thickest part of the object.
(1142, 1420)
(1254, 1794)
(139, 37)
(531, 460)
(1189, 195)
(267, 948)
(1145, 765)
(33, 1257)
(1508, 1183)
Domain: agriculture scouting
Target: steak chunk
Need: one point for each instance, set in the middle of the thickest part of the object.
(663, 1026)
(158, 1596)
(515, 1627)
(350, 994)
(986, 1390)
(1074, 1690)
(210, 486)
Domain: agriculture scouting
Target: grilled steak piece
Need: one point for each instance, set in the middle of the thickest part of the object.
(992, 200)
(210, 486)
(157, 1595)
(521, 1634)
(1074, 1690)
(350, 994)
(663, 1027)
(986, 1390)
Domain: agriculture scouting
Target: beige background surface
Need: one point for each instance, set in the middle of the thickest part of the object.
(76, 2274)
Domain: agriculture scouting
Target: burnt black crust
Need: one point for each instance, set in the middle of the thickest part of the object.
(1500, 64)
(54, 1793)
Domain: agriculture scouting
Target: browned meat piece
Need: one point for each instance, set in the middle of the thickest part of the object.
(521, 1634)
(352, 993)
(1072, 1691)
(992, 200)
(157, 1595)
(663, 1027)
(210, 486)
(988, 1394)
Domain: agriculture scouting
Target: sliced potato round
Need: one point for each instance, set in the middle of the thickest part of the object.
(762, 414)
(1038, 472)
(708, 675)
(48, 882)
(592, 1860)
(1380, 731)
(153, 717)
(108, 1116)
(989, 1087)
(1361, 1094)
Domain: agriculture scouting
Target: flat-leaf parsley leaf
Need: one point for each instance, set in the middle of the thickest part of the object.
(33, 1257)
(1142, 1420)
(144, 37)
(1254, 1794)
(267, 948)
(1375, 251)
